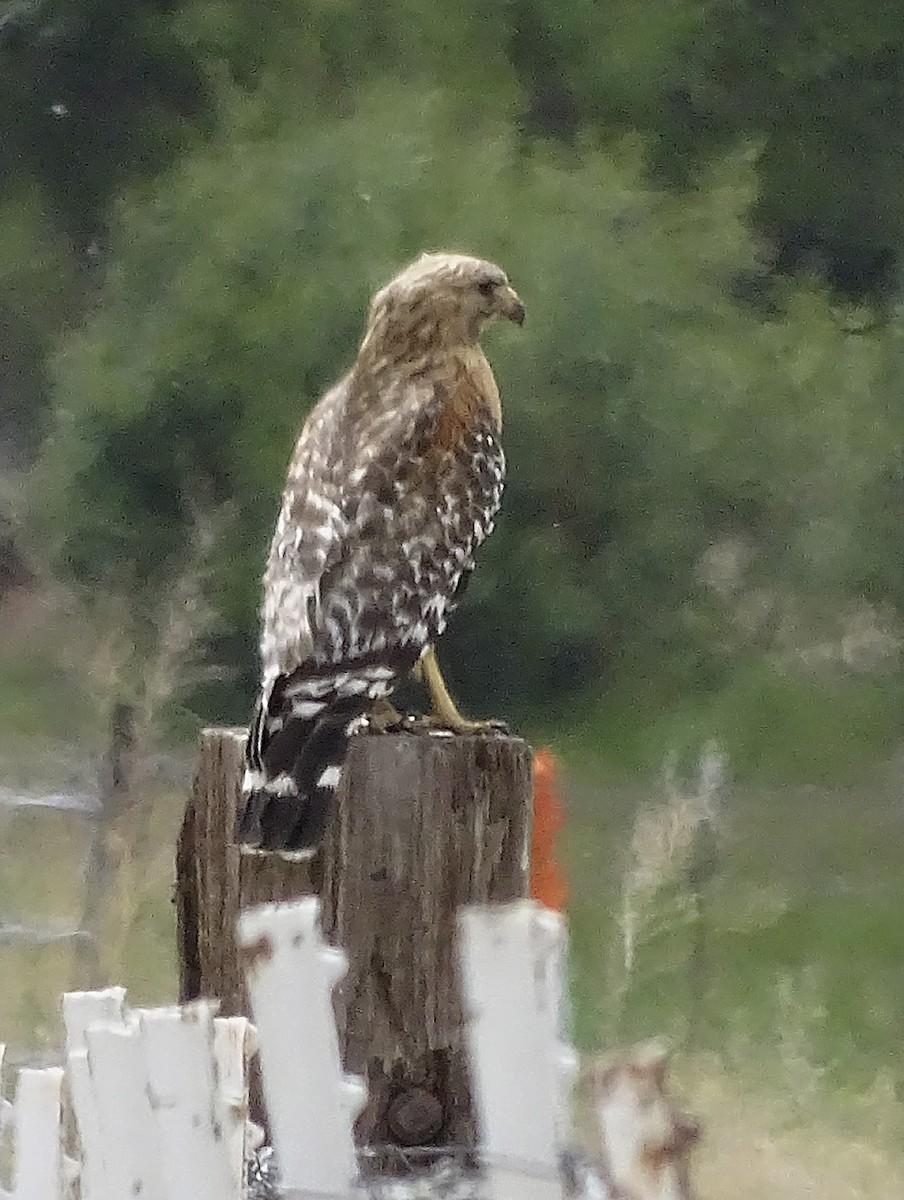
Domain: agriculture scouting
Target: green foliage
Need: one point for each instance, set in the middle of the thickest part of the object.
(92, 92)
(818, 87)
(36, 278)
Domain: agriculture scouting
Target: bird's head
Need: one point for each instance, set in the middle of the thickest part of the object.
(446, 298)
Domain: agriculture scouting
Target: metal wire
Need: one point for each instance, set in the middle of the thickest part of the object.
(393, 1172)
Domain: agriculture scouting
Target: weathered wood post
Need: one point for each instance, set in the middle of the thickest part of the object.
(423, 824)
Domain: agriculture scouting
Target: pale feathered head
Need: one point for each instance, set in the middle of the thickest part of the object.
(443, 299)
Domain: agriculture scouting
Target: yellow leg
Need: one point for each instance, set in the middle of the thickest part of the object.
(445, 713)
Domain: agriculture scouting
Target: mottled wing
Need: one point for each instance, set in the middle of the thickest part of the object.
(420, 505)
(309, 532)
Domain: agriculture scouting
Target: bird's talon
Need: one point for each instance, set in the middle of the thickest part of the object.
(463, 726)
(384, 717)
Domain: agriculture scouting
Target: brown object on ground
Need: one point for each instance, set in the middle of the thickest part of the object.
(422, 824)
(644, 1140)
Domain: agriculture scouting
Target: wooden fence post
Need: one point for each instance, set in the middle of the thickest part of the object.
(423, 824)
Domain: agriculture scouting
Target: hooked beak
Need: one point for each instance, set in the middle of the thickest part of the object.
(510, 305)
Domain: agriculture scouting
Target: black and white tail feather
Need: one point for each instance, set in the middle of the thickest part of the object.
(296, 749)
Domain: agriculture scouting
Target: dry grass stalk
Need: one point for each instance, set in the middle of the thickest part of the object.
(663, 842)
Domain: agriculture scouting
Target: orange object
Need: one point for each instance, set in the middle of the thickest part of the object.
(547, 879)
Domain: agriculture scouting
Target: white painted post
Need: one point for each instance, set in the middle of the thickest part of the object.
(38, 1155)
(6, 1116)
(312, 1104)
(119, 1082)
(551, 963)
(234, 1043)
(160, 1098)
(179, 1060)
(521, 1072)
(81, 1010)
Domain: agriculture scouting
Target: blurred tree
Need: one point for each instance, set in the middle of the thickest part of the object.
(818, 87)
(93, 92)
(38, 277)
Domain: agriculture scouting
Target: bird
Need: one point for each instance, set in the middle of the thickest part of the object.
(394, 484)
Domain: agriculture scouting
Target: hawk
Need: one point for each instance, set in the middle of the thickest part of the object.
(394, 484)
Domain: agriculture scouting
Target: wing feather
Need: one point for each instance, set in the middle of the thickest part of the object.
(353, 441)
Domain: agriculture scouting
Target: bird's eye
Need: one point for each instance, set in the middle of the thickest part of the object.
(486, 287)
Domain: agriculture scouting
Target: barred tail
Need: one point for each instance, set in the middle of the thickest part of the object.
(296, 749)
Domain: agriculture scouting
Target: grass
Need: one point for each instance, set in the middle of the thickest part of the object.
(777, 725)
(759, 1145)
(42, 863)
(780, 977)
(804, 901)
